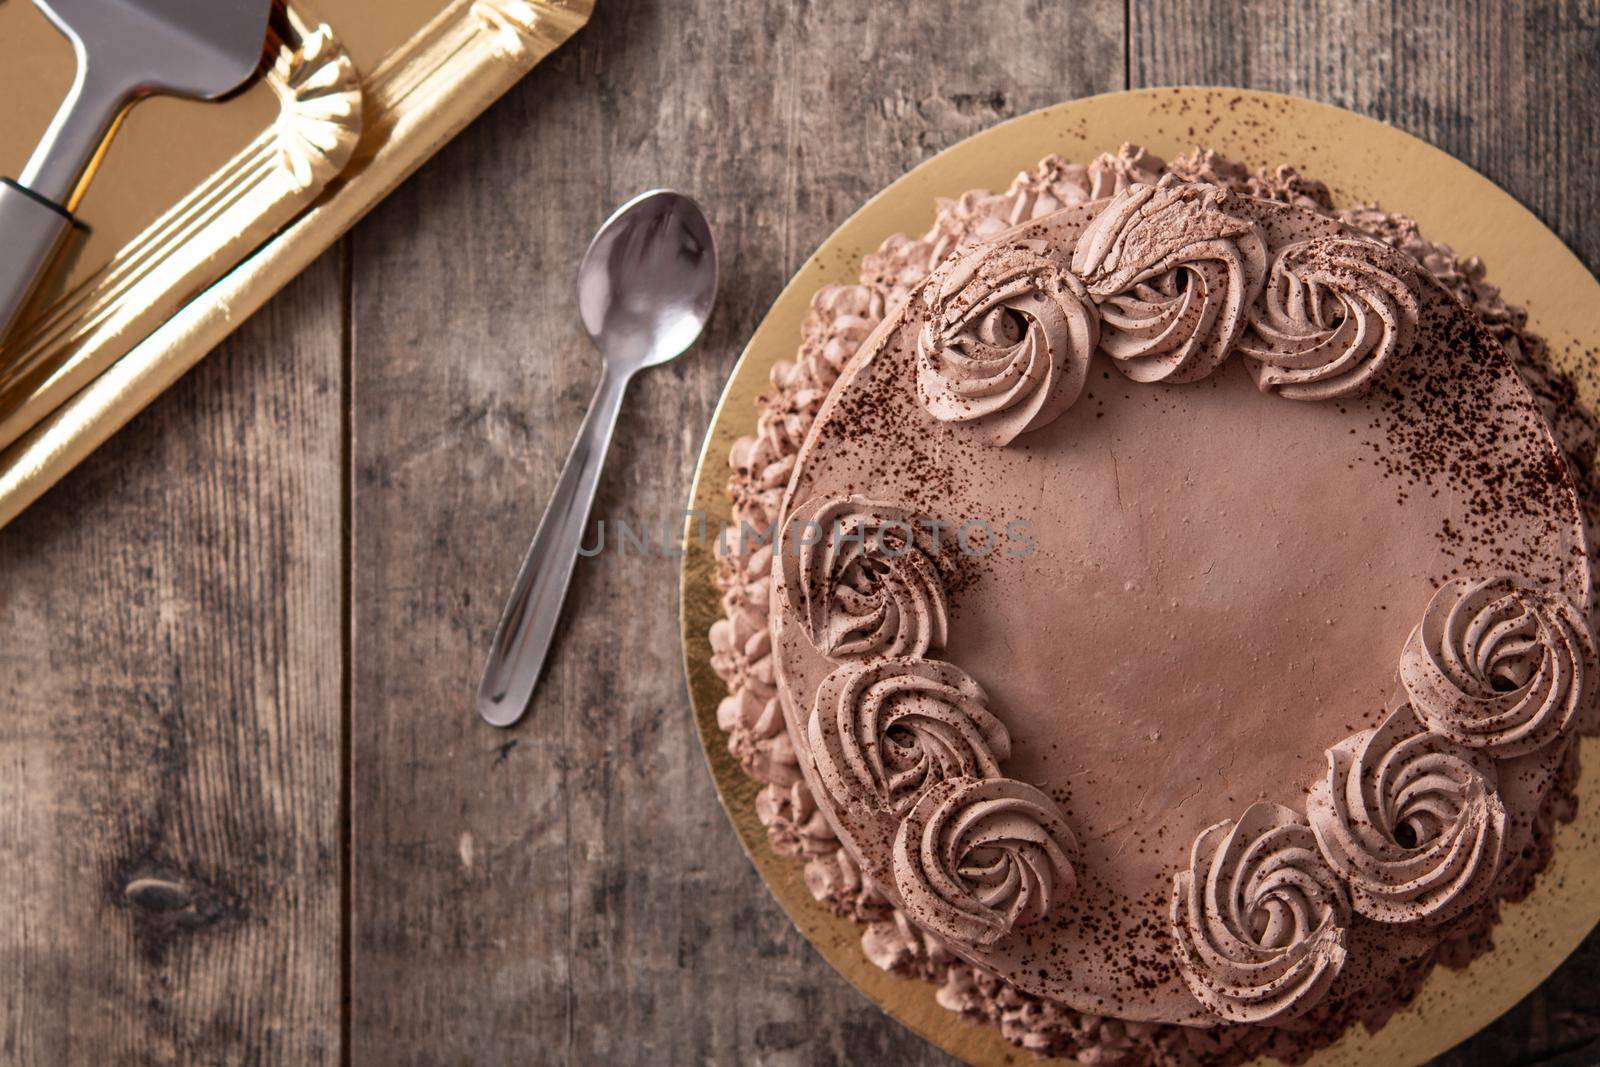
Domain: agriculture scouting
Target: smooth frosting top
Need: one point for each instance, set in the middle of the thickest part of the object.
(1115, 712)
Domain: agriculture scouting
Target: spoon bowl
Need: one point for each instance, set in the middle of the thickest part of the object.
(645, 290)
(648, 280)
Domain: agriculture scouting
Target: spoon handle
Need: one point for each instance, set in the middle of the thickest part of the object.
(528, 623)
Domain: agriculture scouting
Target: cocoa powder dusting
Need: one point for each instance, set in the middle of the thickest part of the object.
(1427, 441)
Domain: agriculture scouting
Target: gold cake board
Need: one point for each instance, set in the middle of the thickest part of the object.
(1361, 160)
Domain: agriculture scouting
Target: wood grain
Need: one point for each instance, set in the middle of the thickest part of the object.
(571, 889)
(1511, 89)
(170, 721)
(171, 617)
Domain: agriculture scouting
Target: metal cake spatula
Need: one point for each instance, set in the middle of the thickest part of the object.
(126, 49)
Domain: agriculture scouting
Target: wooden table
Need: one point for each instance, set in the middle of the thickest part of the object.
(246, 815)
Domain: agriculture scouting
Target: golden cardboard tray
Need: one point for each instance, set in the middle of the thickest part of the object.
(199, 212)
(1361, 160)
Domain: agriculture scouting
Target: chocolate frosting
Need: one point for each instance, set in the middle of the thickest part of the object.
(1384, 967)
(1259, 919)
(882, 733)
(1337, 310)
(977, 858)
(862, 576)
(1175, 272)
(1007, 341)
(1500, 666)
(1188, 631)
(1412, 821)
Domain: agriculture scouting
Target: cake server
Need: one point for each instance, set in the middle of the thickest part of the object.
(126, 50)
(645, 290)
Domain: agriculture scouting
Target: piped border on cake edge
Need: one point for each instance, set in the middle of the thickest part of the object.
(841, 317)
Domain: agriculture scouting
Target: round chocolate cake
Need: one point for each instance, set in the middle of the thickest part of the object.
(1176, 619)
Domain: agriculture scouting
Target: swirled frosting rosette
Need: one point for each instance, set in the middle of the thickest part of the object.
(977, 858)
(884, 731)
(1007, 340)
(1500, 666)
(1259, 919)
(1174, 273)
(861, 578)
(1411, 820)
(1335, 312)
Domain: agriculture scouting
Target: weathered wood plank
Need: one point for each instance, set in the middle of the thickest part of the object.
(1511, 89)
(170, 719)
(570, 891)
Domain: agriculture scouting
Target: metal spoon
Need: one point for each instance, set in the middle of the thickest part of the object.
(645, 289)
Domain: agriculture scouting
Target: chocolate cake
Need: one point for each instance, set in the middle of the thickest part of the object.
(1163, 615)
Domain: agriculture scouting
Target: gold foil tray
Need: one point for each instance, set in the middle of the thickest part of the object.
(201, 211)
